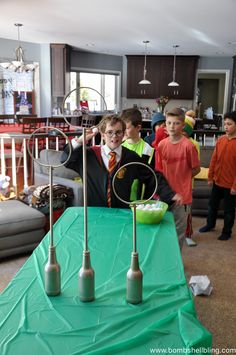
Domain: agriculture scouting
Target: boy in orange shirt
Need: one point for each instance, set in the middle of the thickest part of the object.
(222, 178)
(178, 160)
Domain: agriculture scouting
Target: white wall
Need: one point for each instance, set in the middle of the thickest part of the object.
(45, 81)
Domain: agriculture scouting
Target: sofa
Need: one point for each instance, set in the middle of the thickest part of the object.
(21, 228)
(61, 175)
(201, 189)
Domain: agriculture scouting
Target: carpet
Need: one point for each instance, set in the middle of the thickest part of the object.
(217, 260)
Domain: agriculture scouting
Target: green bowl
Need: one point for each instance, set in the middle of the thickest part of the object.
(151, 217)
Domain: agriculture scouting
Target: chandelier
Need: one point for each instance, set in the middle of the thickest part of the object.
(18, 64)
(144, 81)
(173, 82)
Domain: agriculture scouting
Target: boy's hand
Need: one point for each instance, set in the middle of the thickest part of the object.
(233, 192)
(89, 135)
(177, 199)
(210, 182)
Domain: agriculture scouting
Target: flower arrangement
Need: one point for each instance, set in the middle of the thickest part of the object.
(161, 102)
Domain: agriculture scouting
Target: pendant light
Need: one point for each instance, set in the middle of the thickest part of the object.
(173, 82)
(18, 64)
(145, 81)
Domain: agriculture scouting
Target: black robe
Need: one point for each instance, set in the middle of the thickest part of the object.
(98, 177)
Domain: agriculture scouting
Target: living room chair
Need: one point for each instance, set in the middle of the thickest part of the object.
(7, 120)
(30, 124)
(59, 122)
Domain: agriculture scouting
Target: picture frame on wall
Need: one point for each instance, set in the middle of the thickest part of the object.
(24, 103)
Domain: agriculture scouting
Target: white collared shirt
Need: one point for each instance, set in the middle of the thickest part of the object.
(105, 150)
(74, 143)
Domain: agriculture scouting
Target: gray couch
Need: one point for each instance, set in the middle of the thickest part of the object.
(61, 175)
(21, 228)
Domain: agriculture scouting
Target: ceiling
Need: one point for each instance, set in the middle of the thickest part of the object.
(200, 27)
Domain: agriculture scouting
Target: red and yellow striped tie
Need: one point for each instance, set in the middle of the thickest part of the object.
(111, 166)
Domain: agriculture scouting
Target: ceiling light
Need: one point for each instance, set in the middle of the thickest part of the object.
(145, 81)
(173, 82)
(18, 64)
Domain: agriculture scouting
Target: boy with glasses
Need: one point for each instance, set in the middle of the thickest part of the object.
(104, 161)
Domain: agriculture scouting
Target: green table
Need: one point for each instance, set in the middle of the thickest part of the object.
(32, 323)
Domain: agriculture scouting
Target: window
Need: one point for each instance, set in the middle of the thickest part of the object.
(99, 90)
(11, 81)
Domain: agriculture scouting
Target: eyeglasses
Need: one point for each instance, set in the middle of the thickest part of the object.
(118, 133)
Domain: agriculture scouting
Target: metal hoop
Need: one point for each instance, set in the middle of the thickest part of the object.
(135, 202)
(54, 129)
(65, 98)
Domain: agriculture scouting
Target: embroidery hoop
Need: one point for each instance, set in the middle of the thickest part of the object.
(135, 202)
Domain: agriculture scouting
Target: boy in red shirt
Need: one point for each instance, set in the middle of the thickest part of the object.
(178, 160)
(222, 178)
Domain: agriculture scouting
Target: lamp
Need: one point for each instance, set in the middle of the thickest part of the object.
(173, 82)
(18, 64)
(145, 81)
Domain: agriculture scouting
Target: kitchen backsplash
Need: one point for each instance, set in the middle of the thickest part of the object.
(151, 104)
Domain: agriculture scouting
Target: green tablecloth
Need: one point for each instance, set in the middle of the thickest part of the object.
(165, 322)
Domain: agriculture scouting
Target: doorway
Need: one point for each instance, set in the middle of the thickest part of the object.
(212, 91)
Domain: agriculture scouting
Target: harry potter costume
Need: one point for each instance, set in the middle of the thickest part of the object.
(98, 177)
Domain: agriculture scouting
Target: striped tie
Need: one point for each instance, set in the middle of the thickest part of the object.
(111, 166)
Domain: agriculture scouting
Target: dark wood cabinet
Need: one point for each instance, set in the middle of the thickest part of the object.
(135, 66)
(166, 76)
(160, 73)
(60, 69)
(186, 68)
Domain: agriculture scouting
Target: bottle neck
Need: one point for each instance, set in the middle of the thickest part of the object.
(134, 261)
(52, 255)
(86, 260)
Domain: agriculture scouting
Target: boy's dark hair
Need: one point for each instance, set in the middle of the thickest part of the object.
(132, 115)
(231, 115)
(112, 120)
